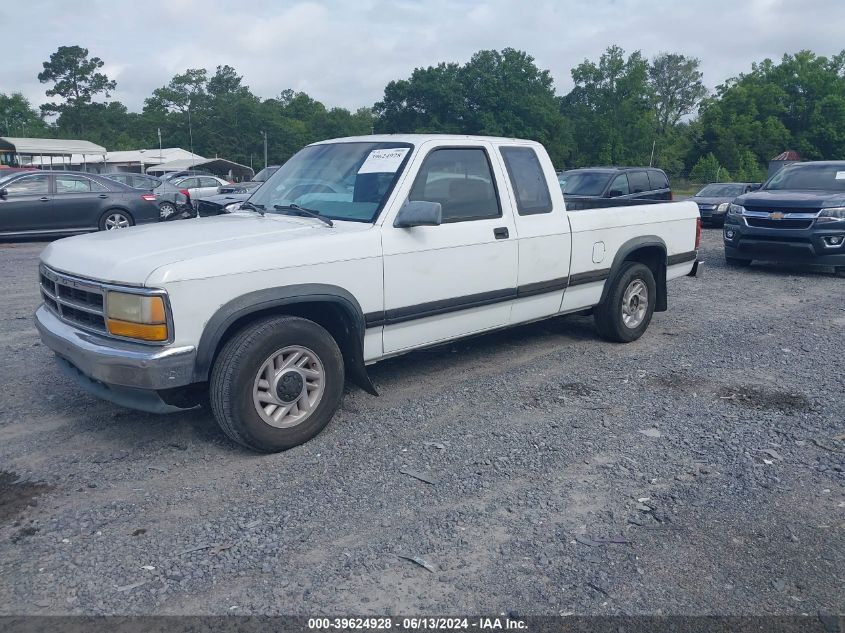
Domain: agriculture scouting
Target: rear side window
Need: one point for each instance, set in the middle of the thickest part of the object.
(638, 181)
(529, 183)
(658, 180)
(77, 184)
(461, 180)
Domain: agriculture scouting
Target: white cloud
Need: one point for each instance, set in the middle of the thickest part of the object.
(344, 52)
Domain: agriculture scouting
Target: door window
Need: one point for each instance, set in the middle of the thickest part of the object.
(77, 184)
(208, 182)
(619, 186)
(36, 185)
(528, 181)
(461, 180)
(638, 181)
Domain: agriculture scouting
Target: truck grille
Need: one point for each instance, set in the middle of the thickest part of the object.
(73, 300)
(767, 223)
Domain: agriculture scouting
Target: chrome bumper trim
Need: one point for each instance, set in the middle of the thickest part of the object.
(116, 362)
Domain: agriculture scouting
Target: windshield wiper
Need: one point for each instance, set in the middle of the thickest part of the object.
(246, 204)
(309, 212)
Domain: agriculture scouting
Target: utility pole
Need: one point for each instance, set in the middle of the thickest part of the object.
(191, 134)
(264, 134)
(159, 146)
(651, 160)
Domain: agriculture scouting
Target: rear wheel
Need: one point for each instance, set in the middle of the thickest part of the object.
(277, 383)
(166, 210)
(625, 313)
(735, 261)
(115, 219)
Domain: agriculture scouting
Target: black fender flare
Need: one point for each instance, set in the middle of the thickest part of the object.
(268, 299)
(635, 244)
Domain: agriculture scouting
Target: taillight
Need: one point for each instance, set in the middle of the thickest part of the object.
(149, 197)
(697, 233)
(185, 192)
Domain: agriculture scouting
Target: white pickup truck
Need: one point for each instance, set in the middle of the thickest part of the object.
(356, 250)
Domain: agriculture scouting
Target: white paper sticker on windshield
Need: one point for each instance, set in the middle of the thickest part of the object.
(384, 161)
(840, 175)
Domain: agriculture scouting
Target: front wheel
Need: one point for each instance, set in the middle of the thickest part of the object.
(115, 219)
(277, 383)
(625, 313)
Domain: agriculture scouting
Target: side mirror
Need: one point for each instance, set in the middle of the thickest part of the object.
(614, 193)
(419, 213)
(4, 192)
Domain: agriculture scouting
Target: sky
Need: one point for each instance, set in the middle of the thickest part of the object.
(343, 52)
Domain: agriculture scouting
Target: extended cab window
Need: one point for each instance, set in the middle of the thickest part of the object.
(461, 180)
(528, 181)
(638, 181)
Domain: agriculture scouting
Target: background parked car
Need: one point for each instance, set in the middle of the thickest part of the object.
(250, 185)
(173, 175)
(138, 181)
(174, 202)
(220, 203)
(199, 186)
(59, 203)
(591, 187)
(714, 199)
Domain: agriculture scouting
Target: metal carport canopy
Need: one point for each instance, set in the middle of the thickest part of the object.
(49, 146)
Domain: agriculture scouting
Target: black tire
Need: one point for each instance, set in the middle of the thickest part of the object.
(608, 314)
(106, 217)
(233, 378)
(839, 271)
(735, 261)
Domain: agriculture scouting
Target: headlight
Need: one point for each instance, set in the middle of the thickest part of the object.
(234, 206)
(723, 207)
(832, 214)
(735, 209)
(136, 316)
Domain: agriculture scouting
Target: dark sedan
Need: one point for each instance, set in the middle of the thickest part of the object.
(714, 199)
(64, 203)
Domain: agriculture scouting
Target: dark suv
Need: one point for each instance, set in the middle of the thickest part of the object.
(797, 216)
(594, 187)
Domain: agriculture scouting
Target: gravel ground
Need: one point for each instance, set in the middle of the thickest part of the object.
(537, 471)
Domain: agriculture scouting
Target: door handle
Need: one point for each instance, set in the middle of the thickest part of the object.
(103, 195)
(501, 233)
(44, 199)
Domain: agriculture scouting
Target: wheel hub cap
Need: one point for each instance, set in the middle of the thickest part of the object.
(288, 386)
(634, 303)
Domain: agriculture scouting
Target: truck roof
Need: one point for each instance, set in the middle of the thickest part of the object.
(421, 138)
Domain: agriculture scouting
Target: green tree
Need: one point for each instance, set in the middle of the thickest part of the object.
(500, 93)
(610, 110)
(708, 169)
(77, 80)
(676, 87)
(18, 117)
(798, 103)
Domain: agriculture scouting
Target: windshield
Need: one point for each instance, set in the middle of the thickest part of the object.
(720, 191)
(341, 181)
(265, 174)
(809, 176)
(583, 183)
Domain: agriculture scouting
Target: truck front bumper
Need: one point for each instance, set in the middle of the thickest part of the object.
(807, 246)
(129, 374)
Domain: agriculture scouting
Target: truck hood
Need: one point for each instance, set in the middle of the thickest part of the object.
(810, 200)
(129, 256)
